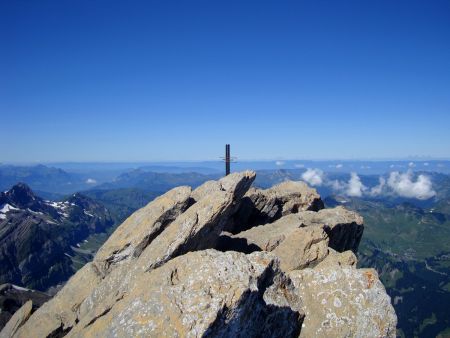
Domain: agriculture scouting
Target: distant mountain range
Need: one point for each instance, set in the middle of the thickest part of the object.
(38, 238)
(42, 178)
(53, 182)
(155, 181)
(122, 202)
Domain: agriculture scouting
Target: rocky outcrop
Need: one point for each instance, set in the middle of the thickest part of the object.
(171, 269)
(344, 228)
(142, 227)
(17, 320)
(13, 297)
(56, 317)
(204, 293)
(301, 239)
(265, 206)
(294, 244)
(342, 301)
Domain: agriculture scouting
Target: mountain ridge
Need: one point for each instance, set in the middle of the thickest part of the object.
(37, 236)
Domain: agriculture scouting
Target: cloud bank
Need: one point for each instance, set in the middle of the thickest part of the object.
(396, 184)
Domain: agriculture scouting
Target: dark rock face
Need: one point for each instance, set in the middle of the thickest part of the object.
(13, 297)
(339, 239)
(36, 236)
(22, 196)
(345, 228)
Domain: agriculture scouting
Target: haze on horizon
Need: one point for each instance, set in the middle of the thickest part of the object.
(166, 80)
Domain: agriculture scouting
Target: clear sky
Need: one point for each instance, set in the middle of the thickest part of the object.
(91, 80)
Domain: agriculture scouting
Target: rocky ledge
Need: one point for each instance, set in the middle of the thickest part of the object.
(222, 260)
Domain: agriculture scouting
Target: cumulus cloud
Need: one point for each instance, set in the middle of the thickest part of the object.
(403, 185)
(378, 189)
(355, 187)
(411, 164)
(91, 181)
(337, 186)
(279, 163)
(313, 176)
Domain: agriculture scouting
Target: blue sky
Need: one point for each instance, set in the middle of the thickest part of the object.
(176, 80)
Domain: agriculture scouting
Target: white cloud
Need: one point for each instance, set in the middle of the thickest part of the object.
(426, 164)
(339, 166)
(337, 186)
(279, 163)
(378, 189)
(313, 176)
(411, 164)
(91, 181)
(403, 185)
(299, 165)
(397, 165)
(355, 187)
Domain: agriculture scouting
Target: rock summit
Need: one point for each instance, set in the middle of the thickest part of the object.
(223, 260)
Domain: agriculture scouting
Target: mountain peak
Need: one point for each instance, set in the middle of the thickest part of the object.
(21, 195)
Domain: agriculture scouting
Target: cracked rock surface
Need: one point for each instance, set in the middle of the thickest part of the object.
(342, 301)
(223, 260)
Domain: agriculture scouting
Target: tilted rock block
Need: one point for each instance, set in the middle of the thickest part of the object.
(17, 320)
(59, 314)
(302, 239)
(197, 228)
(294, 244)
(334, 259)
(265, 206)
(342, 301)
(302, 248)
(204, 293)
(138, 230)
(344, 227)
